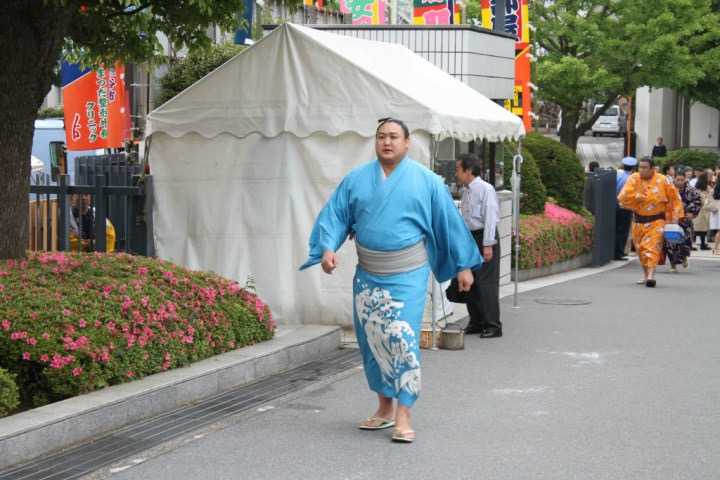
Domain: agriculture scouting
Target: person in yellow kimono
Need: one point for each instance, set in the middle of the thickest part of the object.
(654, 202)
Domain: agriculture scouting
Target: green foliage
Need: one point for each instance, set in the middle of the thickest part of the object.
(52, 112)
(74, 323)
(545, 240)
(9, 393)
(560, 170)
(600, 49)
(192, 68)
(473, 12)
(102, 31)
(705, 47)
(534, 192)
(690, 158)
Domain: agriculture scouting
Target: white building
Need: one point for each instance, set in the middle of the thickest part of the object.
(661, 112)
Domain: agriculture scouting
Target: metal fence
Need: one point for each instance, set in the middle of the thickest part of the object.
(121, 210)
(86, 209)
(600, 199)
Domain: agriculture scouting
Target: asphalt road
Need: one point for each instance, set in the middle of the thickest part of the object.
(623, 383)
(608, 151)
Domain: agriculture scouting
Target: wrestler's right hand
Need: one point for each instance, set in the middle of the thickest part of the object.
(329, 262)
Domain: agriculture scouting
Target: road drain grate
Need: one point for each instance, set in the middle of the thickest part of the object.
(141, 436)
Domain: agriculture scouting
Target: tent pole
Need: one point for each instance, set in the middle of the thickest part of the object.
(516, 180)
(434, 146)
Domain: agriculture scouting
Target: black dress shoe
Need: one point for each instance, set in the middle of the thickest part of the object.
(471, 329)
(623, 258)
(491, 332)
(650, 283)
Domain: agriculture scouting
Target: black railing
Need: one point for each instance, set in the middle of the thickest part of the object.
(93, 202)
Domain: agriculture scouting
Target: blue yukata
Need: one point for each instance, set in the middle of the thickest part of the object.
(411, 205)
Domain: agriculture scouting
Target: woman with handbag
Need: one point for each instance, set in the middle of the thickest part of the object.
(701, 223)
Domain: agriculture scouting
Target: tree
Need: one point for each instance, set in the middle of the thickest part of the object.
(32, 36)
(705, 47)
(603, 49)
(473, 12)
(560, 170)
(183, 73)
(533, 191)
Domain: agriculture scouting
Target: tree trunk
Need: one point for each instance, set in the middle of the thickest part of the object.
(569, 133)
(31, 37)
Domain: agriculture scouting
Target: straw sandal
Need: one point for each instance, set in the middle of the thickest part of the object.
(376, 423)
(407, 436)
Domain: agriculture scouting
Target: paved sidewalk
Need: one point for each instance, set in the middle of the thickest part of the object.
(623, 387)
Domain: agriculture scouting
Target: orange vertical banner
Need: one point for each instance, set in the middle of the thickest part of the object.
(97, 113)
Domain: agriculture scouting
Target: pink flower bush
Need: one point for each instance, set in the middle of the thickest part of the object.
(107, 319)
(555, 236)
(561, 215)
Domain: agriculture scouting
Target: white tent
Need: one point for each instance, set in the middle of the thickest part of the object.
(244, 159)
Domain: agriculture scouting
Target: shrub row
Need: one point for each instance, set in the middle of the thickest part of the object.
(554, 236)
(73, 323)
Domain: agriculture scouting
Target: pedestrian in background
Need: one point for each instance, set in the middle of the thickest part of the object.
(659, 150)
(715, 217)
(481, 211)
(592, 166)
(623, 217)
(669, 171)
(654, 203)
(701, 223)
(691, 203)
(696, 172)
(712, 230)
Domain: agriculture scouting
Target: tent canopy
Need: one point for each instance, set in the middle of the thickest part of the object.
(303, 81)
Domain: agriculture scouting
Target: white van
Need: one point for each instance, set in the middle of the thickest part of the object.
(613, 122)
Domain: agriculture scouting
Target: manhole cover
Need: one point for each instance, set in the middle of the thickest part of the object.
(562, 301)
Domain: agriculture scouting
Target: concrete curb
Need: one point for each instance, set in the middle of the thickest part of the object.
(59, 425)
(560, 267)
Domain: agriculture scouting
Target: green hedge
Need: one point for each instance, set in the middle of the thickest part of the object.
(192, 68)
(534, 192)
(690, 158)
(9, 394)
(52, 112)
(74, 323)
(553, 237)
(560, 170)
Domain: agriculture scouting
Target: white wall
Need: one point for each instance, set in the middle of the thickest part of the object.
(704, 126)
(53, 98)
(482, 60)
(655, 115)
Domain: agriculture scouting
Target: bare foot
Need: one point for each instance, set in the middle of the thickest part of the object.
(402, 419)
